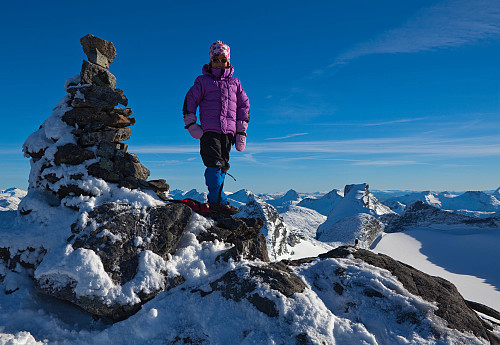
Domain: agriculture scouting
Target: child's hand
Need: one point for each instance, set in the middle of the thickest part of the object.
(241, 141)
(241, 135)
(195, 131)
(193, 128)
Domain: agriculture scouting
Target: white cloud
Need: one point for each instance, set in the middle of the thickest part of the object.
(287, 136)
(447, 24)
(388, 163)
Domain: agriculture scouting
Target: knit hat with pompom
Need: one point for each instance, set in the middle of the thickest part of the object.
(220, 48)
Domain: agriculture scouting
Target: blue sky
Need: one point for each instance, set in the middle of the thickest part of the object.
(398, 94)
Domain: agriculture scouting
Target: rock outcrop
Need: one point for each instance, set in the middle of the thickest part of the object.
(278, 237)
(242, 233)
(244, 283)
(451, 306)
(120, 240)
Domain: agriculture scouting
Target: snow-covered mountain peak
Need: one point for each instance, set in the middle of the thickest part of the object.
(359, 199)
(291, 195)
(354, 218)
(290, 198)
(496, 193)
(10, 198)
(239, 198)
(325, 204)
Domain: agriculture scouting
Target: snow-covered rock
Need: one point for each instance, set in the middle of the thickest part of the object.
(354, 218)
(278, 237)
(396, 206)
(303, 223)
(10, 198)
(115, 261)
(325, 204)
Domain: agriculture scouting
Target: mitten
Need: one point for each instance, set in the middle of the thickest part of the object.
(193, 128)
(241, 135)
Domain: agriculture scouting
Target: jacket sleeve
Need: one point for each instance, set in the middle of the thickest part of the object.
(193, 98)
(243, 105)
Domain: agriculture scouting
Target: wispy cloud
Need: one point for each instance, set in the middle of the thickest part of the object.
(370, 124)
(182, 149)
(447, 24)
(393, 122)
(389, 163)
(163, 162)
(461, 147)
(287, 136)
(247, 157)
(416, 145)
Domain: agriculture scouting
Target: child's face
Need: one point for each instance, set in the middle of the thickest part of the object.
(219, 61)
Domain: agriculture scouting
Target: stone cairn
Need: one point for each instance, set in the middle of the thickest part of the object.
(100, 127)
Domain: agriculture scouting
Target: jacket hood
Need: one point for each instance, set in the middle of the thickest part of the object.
(217, 73)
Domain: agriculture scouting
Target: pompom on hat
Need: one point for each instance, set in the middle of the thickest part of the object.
(220, 47)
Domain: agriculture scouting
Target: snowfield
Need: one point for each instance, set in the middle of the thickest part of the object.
(470, 259)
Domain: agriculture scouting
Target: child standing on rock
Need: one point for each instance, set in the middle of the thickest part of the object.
(224, 115)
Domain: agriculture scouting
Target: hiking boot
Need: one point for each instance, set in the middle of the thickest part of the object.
(224, 209)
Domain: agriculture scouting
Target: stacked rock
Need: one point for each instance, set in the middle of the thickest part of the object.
(91, 144)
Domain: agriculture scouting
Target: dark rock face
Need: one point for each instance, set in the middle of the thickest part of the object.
(243, 233)
(114, 235)
(72, 154)
(452, 306)
(421, 214)
(97, 96)
(108, 134)
(237, 285)
(108, 117)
